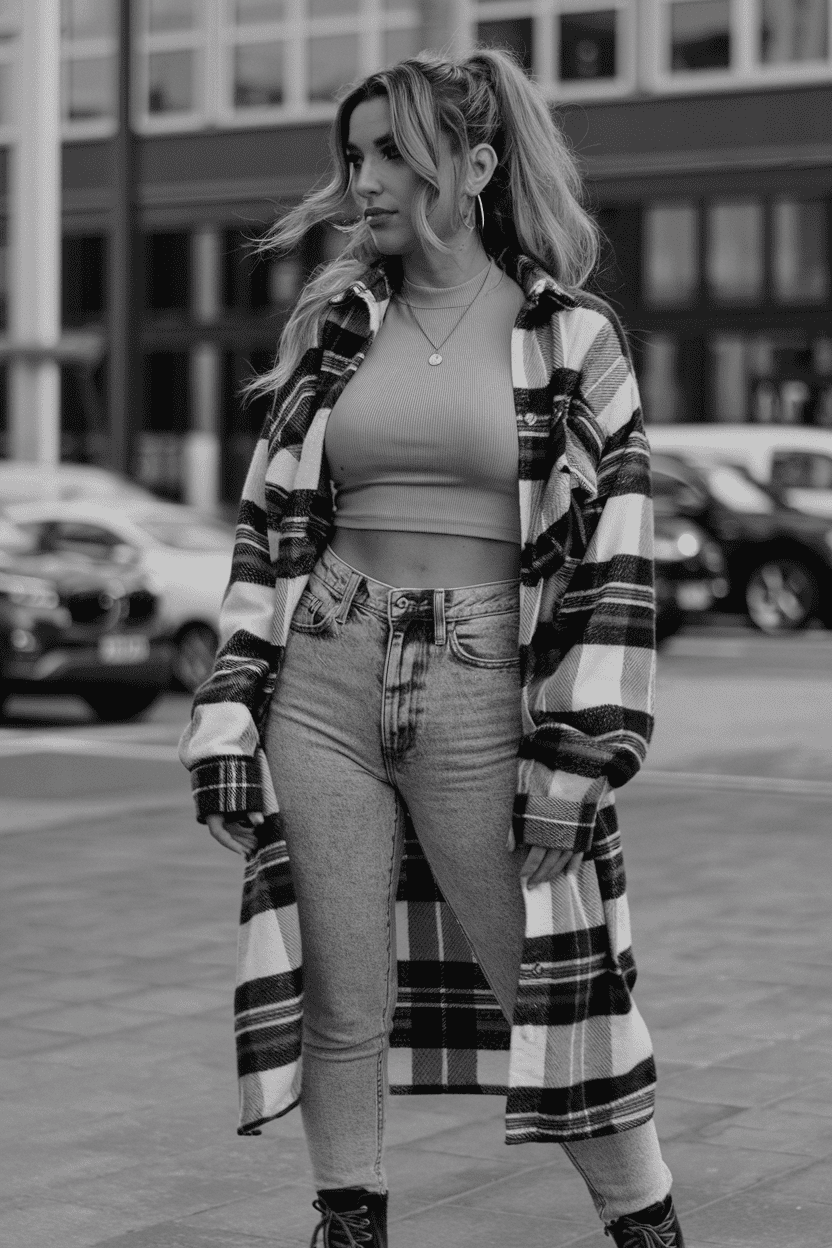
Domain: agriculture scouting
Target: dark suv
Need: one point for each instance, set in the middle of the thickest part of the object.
(68, 627)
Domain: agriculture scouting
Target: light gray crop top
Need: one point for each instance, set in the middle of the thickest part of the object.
(432, 449)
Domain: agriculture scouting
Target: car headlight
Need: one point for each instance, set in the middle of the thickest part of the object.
(686, 544)
(29, 591)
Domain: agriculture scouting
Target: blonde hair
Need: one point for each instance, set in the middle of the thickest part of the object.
(531, 205)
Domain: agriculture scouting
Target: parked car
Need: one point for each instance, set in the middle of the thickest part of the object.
(23, 482)
(779, 560)
(795, 461)
(70, 627)
(187, 556)
(690, 573)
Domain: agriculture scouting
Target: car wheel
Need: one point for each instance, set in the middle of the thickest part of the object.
(117, 703)
(781, 596)
(193, 656)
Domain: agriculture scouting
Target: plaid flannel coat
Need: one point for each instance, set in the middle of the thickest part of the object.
(577, 1061)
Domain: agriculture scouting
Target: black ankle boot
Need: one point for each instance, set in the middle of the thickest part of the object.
(351, 1217)
(654, 1227)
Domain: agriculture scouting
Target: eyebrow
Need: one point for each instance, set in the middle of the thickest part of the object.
(382, 141)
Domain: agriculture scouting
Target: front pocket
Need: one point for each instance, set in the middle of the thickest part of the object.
(489, 641)
(312, 616)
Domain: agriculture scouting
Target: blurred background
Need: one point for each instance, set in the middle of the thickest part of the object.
(145, 145)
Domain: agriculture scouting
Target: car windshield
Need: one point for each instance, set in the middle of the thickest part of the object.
(187, 535)
(737, 491)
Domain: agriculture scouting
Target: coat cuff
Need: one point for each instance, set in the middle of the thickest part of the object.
(226, 783)
(562, 818)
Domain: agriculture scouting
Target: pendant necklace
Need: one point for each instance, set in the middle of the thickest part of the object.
(436, 357)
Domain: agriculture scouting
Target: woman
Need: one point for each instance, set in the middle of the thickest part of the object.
(437, 662)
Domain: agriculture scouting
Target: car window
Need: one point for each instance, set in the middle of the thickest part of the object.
(188, 536)
(737, 491)
(78, 538)
(671, 494)
(801, 470)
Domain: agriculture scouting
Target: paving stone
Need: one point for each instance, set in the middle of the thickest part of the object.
(49, 1224)
(725, 1085)
(807, 1134)
(762, 1219)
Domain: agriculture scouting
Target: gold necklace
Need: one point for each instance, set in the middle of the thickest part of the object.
(437, 357)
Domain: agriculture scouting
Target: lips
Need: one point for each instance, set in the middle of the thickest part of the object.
(373, 215)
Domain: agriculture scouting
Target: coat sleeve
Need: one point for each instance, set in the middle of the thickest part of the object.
(589, 698)
(220, 743)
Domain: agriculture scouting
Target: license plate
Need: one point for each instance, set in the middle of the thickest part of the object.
(694, 596)
(121, 649)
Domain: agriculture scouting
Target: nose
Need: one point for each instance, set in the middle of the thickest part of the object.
(365, 180)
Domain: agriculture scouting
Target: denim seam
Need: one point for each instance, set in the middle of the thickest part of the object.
(380, 1106)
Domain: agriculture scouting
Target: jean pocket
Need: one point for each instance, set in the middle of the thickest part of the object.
(487, 641)
(315, 612)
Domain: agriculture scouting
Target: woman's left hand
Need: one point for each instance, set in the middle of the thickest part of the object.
(542, 865)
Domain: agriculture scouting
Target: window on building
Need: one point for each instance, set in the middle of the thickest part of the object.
(258, 75)
(88, 81)
(333, 61)
(253, 12)
(794, 30)
(83, 279)
(88, 19)
(735, 266)
(671, 254)
(89, 88)
(165, 15)
(167, 271)
(588, 45)
(700, 34)
(799, 261)
(173, 44)
(171, 81)
(515, 34)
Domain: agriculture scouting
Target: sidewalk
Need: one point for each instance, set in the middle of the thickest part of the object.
(117, 1096)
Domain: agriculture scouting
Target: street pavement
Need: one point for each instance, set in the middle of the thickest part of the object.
(117, 931)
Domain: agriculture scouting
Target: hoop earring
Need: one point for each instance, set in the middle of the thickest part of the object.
(482, 212)
(470, 220)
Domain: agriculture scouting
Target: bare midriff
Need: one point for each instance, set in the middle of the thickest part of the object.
(426, 560)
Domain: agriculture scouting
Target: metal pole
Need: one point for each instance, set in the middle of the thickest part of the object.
(124, 284)
(35, 230)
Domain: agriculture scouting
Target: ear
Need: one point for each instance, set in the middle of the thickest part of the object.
(482, 161)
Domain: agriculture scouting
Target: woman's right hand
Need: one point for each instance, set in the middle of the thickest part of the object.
(236, 830)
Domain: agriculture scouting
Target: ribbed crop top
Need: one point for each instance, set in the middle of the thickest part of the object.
(432, 449)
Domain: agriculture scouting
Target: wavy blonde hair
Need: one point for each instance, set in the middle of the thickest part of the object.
(532, 204)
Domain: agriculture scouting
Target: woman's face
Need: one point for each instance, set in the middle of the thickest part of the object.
(385, 186)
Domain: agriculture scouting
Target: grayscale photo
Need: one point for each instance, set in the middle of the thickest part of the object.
(415, 623)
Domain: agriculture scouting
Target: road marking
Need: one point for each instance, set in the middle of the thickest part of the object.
(49, 743)
(19, 744)
(738, 784)
(24, 815)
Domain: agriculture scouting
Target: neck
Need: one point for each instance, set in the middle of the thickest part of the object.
(466, 258)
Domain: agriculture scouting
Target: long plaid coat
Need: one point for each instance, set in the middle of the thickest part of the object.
(577, 1061)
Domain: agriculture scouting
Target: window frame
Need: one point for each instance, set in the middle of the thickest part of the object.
(88, 47)
(545, 15)
(747, 69)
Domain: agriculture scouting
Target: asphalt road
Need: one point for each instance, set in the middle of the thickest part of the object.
(117, 918)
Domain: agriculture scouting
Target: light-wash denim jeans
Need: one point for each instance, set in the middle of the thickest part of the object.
(393, 697)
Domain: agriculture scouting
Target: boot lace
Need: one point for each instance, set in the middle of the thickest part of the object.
(641, 1235)
(349, 1229)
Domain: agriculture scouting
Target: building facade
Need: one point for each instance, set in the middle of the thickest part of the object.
(704, 128)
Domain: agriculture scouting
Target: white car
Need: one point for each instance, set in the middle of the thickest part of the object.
(22, 482)
(187, 557)
(794, 460)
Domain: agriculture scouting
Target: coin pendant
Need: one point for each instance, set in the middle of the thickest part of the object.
(434, 359)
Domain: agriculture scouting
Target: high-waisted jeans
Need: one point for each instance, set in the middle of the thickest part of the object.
(391, 698)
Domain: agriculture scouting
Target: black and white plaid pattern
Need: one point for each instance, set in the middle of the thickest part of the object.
(577, 1060)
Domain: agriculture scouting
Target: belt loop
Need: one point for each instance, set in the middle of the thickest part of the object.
(349, 593)
(440, 632)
